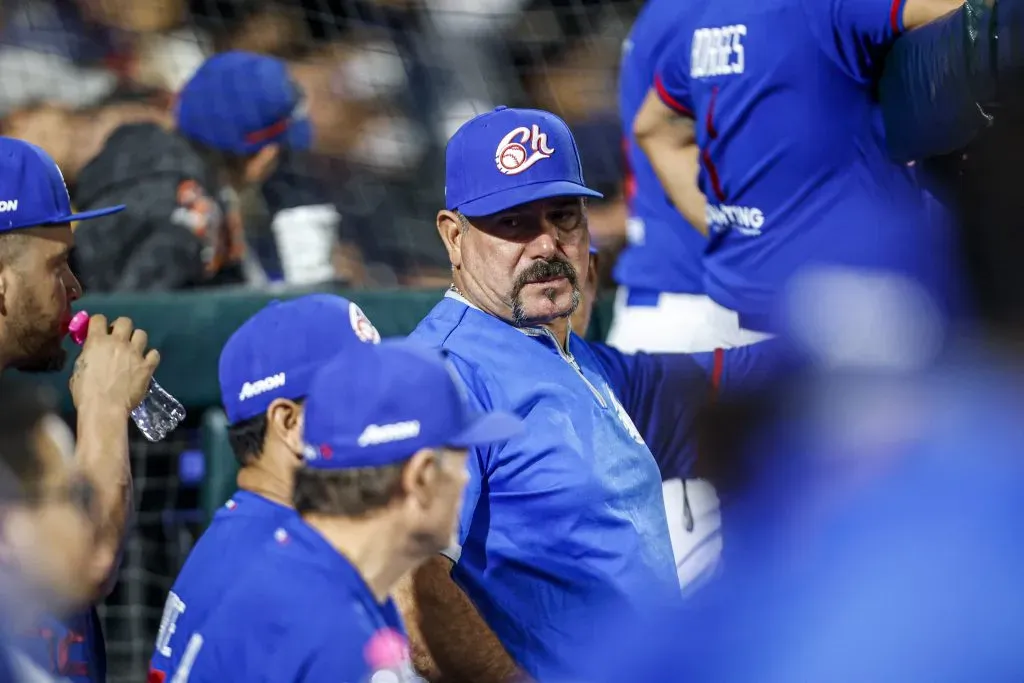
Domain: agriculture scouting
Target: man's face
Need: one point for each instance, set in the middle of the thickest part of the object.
(51, 536)
(38, 290)
(528, 262)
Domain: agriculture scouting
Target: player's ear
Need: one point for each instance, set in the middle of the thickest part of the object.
(450, 227)
(284, 423)
(420, 476)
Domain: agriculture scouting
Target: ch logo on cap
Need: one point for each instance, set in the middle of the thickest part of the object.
(513, 156)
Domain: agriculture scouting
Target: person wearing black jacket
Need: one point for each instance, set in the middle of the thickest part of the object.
(234, 120)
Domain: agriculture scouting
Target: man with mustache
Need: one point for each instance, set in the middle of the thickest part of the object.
(563, 525)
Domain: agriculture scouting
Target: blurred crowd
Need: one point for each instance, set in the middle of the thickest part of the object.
(386, 83)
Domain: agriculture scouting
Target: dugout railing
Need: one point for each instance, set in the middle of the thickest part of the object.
(182, 480)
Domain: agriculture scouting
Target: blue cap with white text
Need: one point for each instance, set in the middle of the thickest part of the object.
(32, 189)
(381, 407)
(275, 353)
(508, 157)
(239, 102)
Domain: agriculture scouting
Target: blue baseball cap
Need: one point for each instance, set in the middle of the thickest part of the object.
(239, 102)
(380, 406)
(275, 353)
(509, 157)
(32, 189)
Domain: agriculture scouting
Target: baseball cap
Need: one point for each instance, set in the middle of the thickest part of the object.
(239, 102)
(508, 157)
(32, 189)
(382, 405)
(276, 352)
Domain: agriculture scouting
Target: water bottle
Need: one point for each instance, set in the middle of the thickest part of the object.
(159, 413)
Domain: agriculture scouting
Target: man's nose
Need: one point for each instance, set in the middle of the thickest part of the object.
(73, 287)
(545, 242)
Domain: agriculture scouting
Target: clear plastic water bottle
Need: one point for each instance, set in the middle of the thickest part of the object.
(159, 413)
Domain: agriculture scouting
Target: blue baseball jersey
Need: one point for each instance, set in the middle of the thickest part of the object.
(71, 648)
(563, 524)
(229, 547)
(662, 392)
(664, 252)
(793, 161)
(303, 614)
(880, 542)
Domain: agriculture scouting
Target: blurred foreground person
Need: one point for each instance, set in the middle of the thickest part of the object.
(387, 429)
(111, 377)
(266, 369)
(876, 534)
(48, 530)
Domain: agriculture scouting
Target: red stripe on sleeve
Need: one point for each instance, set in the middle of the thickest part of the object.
(896, 16)
(716, 371)
(670, 101)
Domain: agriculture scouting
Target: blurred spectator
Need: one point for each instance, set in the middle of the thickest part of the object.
(183, 226)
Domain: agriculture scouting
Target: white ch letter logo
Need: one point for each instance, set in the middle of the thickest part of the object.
(512, 156)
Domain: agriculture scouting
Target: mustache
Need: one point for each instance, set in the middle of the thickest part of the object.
(544, 270)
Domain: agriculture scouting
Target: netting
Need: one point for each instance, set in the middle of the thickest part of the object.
(387, 82)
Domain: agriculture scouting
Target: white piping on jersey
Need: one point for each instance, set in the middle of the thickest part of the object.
(542, 332)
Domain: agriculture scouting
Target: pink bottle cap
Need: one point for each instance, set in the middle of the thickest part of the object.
(78, 328)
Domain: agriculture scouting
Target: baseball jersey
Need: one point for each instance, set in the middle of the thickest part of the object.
(662, 392)
(227, 549)
(793, 161)
(565, 523)
(304, 614)
(894, 554)
(664, 252)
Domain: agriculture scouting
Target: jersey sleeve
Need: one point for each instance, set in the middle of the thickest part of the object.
(857, 33)
(661, 393)
(746, 367)
(672, 77)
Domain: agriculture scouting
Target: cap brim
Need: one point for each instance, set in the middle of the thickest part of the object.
(86, 215)
(299, 135)
(524, 194)
(488, 428)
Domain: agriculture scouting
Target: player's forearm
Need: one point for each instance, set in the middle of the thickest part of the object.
(449, 639)
(668, 140)
(677, 170)
(102, 452)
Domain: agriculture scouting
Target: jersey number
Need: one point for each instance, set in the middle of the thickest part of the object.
(705, 152)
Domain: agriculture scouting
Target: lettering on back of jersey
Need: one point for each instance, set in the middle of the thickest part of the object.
(168, 623)
(717, 51)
